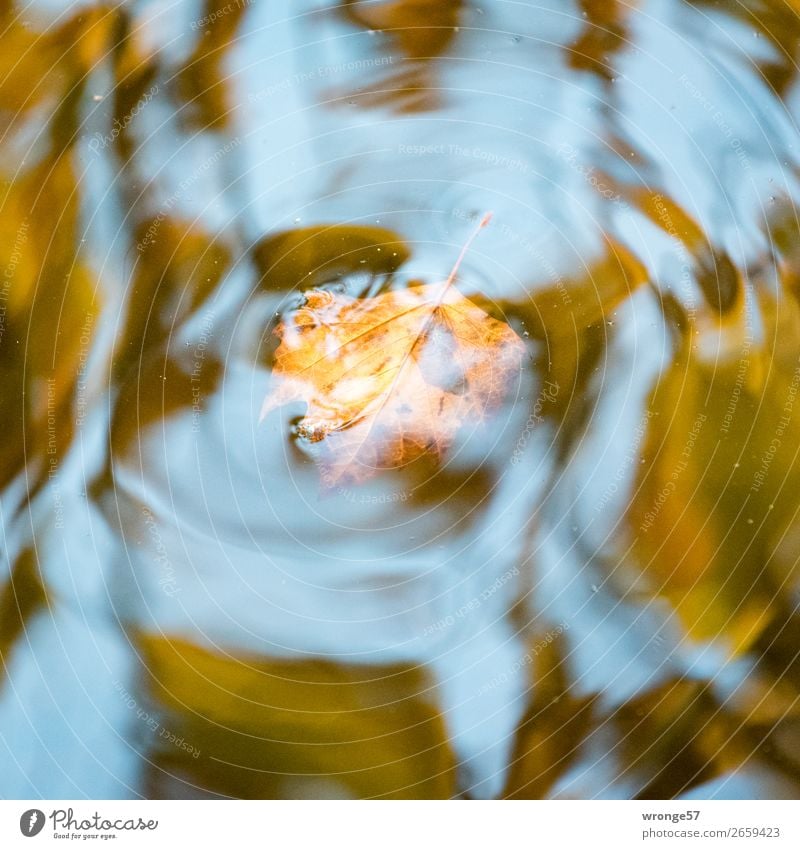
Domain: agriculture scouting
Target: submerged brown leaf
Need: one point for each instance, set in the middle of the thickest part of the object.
(392, 378)
(553, 728)
(417, 32)
(256, 727)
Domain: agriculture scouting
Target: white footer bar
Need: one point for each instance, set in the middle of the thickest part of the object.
(405, 825)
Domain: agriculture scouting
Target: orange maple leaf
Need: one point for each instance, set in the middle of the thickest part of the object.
(389, 379)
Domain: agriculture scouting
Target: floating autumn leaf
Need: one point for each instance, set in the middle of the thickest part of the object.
(390, 379)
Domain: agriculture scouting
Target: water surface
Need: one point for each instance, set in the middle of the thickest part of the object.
(595, 596)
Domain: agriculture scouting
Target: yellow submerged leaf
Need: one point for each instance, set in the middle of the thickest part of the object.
(251, 726)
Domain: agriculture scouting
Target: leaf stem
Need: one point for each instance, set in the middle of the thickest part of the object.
(481, 224)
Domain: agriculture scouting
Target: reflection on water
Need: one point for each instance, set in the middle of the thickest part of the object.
(598, 598)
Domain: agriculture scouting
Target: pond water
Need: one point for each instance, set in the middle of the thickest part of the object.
(594, 594)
